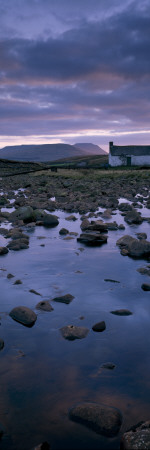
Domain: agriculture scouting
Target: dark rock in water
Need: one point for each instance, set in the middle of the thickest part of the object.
(9, 276)
(121, 312)
(72, 217)
(3, 250)
(23, 315)
(72, 332)
(145, 287)
(105, 420)
(18, 282)
(34, 292)
(141, 235)
(43, 446)
(134, 247)
(133, 217)
(50, 220)
(44, 305)
(67, 298)
(24, 213)
(125, 207)
(137, 438)
(18, 244)
(1, 344)
(144, 271)
(98, 225)
(99, 326)
(111, 281)
(92, 239)
(109, 366)
(63, 231)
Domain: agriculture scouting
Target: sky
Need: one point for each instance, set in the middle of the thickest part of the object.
(74, 71)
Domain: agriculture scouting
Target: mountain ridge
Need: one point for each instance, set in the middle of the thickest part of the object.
(44, 152)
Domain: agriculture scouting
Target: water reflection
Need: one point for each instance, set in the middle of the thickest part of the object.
(42, 374)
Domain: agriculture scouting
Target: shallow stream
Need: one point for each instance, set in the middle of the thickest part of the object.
(42, 375)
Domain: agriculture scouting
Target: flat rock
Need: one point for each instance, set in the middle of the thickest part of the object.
(1, 344)
(67, 298)
(34, 292)
(44, 305)
(105, 420)
(138, 438)
(99, 326)
(24, 315)
(146, 286)
(18, 244)
(92, 239)
(72, 332)
(121, 312)
(108, 365)
(71, 217)
(111, 281)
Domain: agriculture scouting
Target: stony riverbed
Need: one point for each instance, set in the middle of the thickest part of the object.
(74, 335)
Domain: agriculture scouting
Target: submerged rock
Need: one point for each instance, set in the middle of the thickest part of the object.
(105, 420)
(63, 231)
(71, 332)
(137, 438)
(108, 365)
(67, 298)
(133, 217)
(24, 315)
(44, 305)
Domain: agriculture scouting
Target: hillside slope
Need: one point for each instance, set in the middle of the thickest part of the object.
(40, 153)
(90, 149)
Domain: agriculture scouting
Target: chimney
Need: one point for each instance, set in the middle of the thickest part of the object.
(110, 145)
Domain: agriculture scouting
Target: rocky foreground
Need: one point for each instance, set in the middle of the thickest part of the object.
(36, 199)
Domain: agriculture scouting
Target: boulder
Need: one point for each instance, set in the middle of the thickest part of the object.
(99, 326)
(92, 239)
(133, 217)
(44, 305)
(47, 220)
(71, 332)
(3, 251)
(105, 420)
(67, 298)
(141, 235)
(24, 213)
(138, 437)
(134, 247)
(125, 207)
(18, 244)
(23, 315)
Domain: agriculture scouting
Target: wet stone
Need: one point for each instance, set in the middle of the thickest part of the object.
(3, 250)
(146, 286)
(137, 438)
(72, 332)
(44, 305)
(99, 326)
(121, 312)
(24, 315)
(9, 276)
(34, 292)
(18, 282)
(104, 420)
(108, 365)
(63, 231)
(67, 298)
(1, 344)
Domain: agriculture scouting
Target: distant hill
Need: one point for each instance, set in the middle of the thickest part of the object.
(48, 152)
(91, 149)
(40, 153)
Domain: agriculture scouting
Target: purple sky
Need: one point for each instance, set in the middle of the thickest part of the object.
(74, 71)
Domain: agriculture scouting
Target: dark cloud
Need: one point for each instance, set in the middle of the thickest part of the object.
(94, 74)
